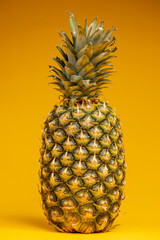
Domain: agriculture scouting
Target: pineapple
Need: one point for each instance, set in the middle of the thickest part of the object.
(82, 161)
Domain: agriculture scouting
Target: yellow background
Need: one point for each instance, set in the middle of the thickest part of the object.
(28, 40)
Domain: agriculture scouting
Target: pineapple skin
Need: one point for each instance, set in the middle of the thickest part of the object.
(82, 167)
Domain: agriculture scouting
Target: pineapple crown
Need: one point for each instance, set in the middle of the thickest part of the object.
(85, 64)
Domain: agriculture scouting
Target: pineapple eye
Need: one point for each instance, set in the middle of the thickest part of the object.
(83, 135)
(60, 132)
(102, 219)
(45, 188)
(109, 179)
(114, 134)
(72, 219)
(67, 158)
(47, 157)
(54, 122)
(76, 182)
(65, 173)
(87, 210)
(62, 188)
(99, 187)
(112, 161)
(123, 182)
(58, 147)
(52, 196)
(103, 168)
(84, 193)
(51, 114)
(55, 213)
(46, 129)
(103, 201)
(114, 192)
(93, 161)
(79, 164)
(49, 139)
(119, 172)
(69, 141)
(81, 150)
(55, 177)
(87, 122)
(105, 138)
(115, 207)
(69, 202)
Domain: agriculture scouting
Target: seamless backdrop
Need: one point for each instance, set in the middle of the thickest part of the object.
(29, 35)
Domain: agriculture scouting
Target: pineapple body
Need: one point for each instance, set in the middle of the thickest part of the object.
(82, 167)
